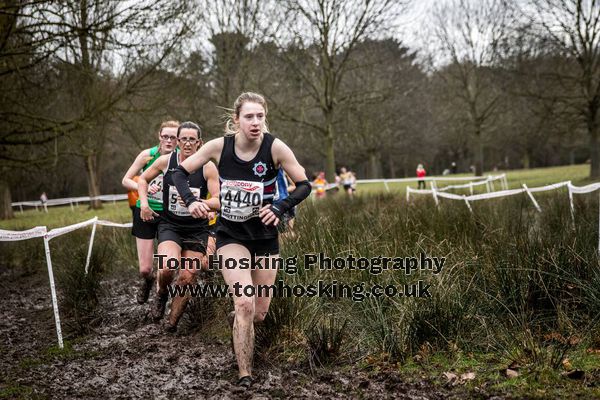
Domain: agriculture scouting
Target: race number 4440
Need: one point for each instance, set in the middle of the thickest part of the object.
(241, 200)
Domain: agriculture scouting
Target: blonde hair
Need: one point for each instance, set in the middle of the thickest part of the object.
(231, 128)
(168, 124)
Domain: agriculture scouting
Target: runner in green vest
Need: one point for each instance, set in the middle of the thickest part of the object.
(145, 232)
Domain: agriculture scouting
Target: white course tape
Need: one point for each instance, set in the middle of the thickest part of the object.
(114, 224)
(89, 254)
(549, 187)
(584, 189)
(71, 200)
(493, 195)
(452, 196)
(471, 184)
(468, 205)
(535, 203)
(11, 236)
(41, 231)
(61, 231)
(53, 293)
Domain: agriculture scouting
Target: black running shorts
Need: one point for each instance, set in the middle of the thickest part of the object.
(142, 229)
(187, 237)
(261, 247)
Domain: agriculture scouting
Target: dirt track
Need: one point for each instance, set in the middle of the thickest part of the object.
(126, 356)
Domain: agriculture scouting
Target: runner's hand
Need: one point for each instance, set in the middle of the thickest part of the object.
(267, 216)
(147, 213)
(153, 189)
(199, 209)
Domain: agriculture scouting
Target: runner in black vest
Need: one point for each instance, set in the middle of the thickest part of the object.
(248, 159)
(180, 235)
(145, 232)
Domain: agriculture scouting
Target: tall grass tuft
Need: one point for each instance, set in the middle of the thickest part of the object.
(80, 292)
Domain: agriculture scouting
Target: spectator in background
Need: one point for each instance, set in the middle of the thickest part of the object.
(453, 168)
(347, 179)
(320, 185)
(44, 200)
(421, 176)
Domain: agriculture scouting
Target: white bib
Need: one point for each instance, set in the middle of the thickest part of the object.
(241, 200)
(158, 196)
(176, 204)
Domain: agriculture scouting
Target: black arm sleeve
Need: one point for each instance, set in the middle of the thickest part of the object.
(301, 192)
(180, 180)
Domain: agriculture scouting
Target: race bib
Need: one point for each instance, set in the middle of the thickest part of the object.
(176, 205)
(241, 200)
(158, 196)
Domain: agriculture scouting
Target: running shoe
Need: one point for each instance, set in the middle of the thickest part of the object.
(158, 308)
(245, 382)
(170, 328)
(144, 290)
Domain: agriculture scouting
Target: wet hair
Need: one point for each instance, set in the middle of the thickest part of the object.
(190, 125)
(247, 97)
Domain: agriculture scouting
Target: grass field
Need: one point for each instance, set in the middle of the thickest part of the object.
(519, 289)
(578, 174)
(119, 212)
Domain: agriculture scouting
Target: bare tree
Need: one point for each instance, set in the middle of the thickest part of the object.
(469, 33)
(329, 31)
(110, 50)
(572, 27)
(232, 28)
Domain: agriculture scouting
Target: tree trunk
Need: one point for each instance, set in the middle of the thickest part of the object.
(526, 160)
(329, 151)
(91, 169)
(594, 151)
(373, 165)
(392, 167)
(6, 211)
(479, 163)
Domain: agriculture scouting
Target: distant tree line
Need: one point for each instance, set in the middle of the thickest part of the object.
(85, 84)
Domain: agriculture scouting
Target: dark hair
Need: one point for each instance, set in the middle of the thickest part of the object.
(190, 125)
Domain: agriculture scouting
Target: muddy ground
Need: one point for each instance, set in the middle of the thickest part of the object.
(126, 356)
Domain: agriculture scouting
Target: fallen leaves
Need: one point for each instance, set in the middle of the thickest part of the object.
(454, 379)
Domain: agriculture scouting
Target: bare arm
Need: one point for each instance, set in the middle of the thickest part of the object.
(152, 172)
(139, 162)
(284, 156)
(211, 174)
(210, 151)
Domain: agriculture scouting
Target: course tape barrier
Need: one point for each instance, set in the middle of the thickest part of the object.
(69, 200)
(511, 192)
(42, 231)
(11, 236)
(120, 197)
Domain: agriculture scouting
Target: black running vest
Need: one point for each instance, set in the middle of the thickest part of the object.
(245, 187)
(174, 210)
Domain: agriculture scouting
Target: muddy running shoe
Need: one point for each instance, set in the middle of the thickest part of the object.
(245, 382)
(158, 308)
(144, 290)
(170, 328)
